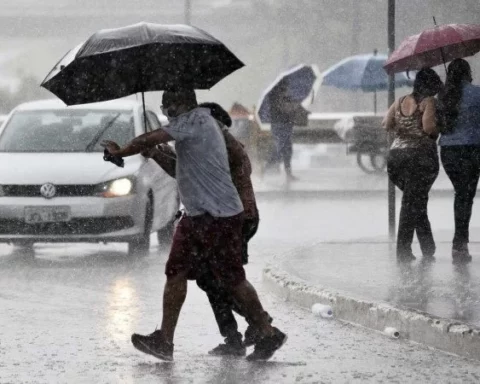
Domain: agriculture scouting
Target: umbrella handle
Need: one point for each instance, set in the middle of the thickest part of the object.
(441, 49)
(144, 113)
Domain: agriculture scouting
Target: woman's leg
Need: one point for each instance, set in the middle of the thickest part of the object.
(275, 155)
(459, 164)
(399, 173)
(430, 167)
(395, 169)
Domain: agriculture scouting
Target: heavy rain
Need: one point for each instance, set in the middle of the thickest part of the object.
(239, 191)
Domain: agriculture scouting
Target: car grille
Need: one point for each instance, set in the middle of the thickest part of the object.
(83, 226)
(61, 190)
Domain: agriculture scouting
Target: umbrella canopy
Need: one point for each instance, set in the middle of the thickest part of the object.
(302, 83)
(435, 46)
(362, 72)
(143, 57)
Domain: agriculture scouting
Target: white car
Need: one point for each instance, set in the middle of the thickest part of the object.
(56, 187)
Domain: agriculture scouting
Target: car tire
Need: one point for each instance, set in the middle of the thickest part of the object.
(141, 244)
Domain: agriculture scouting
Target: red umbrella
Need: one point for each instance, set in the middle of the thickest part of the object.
(435, 46)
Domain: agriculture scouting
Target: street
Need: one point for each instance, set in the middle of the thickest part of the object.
(67, 314)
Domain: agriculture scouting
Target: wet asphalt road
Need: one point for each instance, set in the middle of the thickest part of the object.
(67, 315)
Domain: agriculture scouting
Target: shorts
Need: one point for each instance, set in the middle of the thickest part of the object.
(206, 243)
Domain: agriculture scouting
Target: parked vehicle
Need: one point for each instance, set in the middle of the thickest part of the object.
(55, 186)
(366, 138)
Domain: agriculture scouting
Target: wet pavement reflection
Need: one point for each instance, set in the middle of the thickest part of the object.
(68, 310)
(370, 271)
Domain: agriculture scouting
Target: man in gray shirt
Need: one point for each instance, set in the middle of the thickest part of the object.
(210, 235)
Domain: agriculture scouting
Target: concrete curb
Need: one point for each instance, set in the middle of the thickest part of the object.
(444, 334)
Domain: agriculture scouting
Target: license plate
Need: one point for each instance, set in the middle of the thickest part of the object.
(35, 215)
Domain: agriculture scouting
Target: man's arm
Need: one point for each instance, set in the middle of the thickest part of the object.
(165, 157)
(139, 144)
(429, 120)
(235, 150)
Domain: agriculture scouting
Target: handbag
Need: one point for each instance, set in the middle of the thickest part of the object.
(300, 116)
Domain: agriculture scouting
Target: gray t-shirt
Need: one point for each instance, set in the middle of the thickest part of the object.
(203, 173)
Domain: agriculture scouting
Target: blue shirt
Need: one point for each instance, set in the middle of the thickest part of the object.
(467, 126)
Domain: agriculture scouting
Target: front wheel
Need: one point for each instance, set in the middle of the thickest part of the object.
(372, 162)
(379, 161)
(141, 244)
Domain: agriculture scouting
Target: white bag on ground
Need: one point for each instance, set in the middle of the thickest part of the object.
(392, 332)
(322, 310)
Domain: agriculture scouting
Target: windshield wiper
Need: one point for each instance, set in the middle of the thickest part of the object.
(100, 133)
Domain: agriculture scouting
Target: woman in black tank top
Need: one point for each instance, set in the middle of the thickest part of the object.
(413, 161)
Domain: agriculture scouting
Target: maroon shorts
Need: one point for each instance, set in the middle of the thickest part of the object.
(203, 243)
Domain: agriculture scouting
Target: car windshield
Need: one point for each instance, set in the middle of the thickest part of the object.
(66, 130)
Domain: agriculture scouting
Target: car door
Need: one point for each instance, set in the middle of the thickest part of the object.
(165, 192)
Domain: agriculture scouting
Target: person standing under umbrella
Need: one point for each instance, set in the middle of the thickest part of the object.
(413, 161)
(220, 299)
(282, 112)
(210, 234)
(460, 148)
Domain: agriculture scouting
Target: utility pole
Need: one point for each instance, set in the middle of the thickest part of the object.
(391, 100)
(188, 12)
(355, 42)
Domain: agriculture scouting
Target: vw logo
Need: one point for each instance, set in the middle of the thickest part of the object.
(48, 190)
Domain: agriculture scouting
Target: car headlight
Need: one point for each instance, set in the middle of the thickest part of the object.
(117, 188)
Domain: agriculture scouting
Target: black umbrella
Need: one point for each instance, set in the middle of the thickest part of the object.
(143, 57)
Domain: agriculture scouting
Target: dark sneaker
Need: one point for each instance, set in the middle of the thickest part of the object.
(232, 347)
(292, 178)
(405, 257)
(154, 344)
(267, 346)
(461, 255)
(252, 335)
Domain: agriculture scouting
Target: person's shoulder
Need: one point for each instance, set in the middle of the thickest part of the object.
(472, 89)
(194, 118)
(471, 95)
(429, 101)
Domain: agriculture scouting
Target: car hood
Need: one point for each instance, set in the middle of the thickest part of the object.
(62, 168)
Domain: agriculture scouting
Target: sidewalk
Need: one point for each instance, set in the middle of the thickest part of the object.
(436, 303)
(327, 168)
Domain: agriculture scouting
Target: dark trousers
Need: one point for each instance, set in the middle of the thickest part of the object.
(462, 165)
(222, 304)
(221, 300)
(282, 136)
(413, 171)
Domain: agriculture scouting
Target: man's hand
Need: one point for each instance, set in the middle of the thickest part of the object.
(138, 145)
(110, 146)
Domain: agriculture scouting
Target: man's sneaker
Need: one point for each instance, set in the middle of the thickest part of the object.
(252, 335)
(405, 257)
(232, 347)
(461, 255)
(154, 344)
(267, 346)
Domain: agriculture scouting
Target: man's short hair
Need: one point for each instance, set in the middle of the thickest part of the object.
(185, 96)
